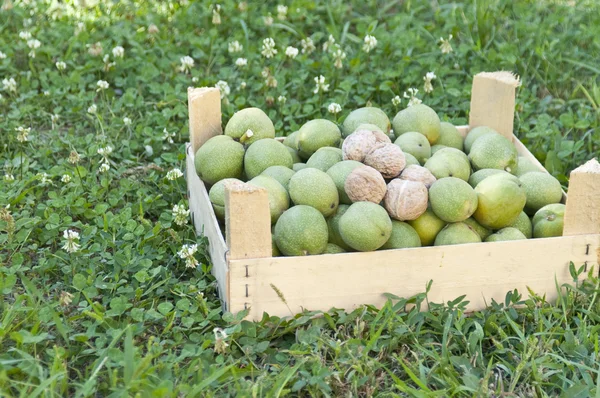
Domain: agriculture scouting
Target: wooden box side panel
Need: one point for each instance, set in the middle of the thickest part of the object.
(480, 271)
(205, 222)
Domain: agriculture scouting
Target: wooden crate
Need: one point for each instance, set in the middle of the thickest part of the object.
(247, 275)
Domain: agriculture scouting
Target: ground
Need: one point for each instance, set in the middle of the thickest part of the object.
(111, 308)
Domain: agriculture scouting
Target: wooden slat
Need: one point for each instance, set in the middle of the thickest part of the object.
(493, 101)
(463, 130)
(482, 271)
(204, 107)
(248, 222)
(582, 214)
(205, 222)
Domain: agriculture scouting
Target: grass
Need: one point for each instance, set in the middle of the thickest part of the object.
(124, 316)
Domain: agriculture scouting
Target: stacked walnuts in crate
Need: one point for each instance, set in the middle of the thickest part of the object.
(362, 186)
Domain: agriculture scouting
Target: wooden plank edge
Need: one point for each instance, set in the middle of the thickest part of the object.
(206, 223)
(297, 278)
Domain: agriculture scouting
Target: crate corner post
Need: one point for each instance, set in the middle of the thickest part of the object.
(493, 101)
(204, 108)
(582, 212)
(248, 235)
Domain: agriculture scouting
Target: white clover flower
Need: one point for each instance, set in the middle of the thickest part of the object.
(65, 298)
(95, 49)
(104, 167)
(72, 244)
(44, 178)
(25, 35)
(428, 87)
(152, 29)
(46, 93)
(92, 109)
(23, 133)
(107, 64)
(187, 253)
(235, 47)
(291, 52)
(396, 101)
(370, 43)
(281, 12)
(66, 178)
(118, 52)
(268, 20)
(338, 56)
(9, 85)
(445, 45)
(174, 174)
(328, 45)
(216, 16)
(102, 85)
(241, 62)
(220, 343)
(320, 85)
(80, 28)
(168, 136)
(271, 81)
(281, 99)
(413, 100)
(105, 151)
(187, 63)
(2, 55)
(180, 215)
(268, 48)
(60, 65)
(74, 157)
(126, 121)
(308, 45)
(33, 43)
(242, 85)
(195, 79)
(334, 108)
(223, 88)
(9, 177)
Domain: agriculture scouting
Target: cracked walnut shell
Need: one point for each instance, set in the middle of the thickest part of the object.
(406, 200)
(365, 184)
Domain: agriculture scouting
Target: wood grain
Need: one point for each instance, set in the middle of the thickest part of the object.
(205, 222)
(248, 221)
(493, 101)
(582, 213)
(481, 271)
(204, 107)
